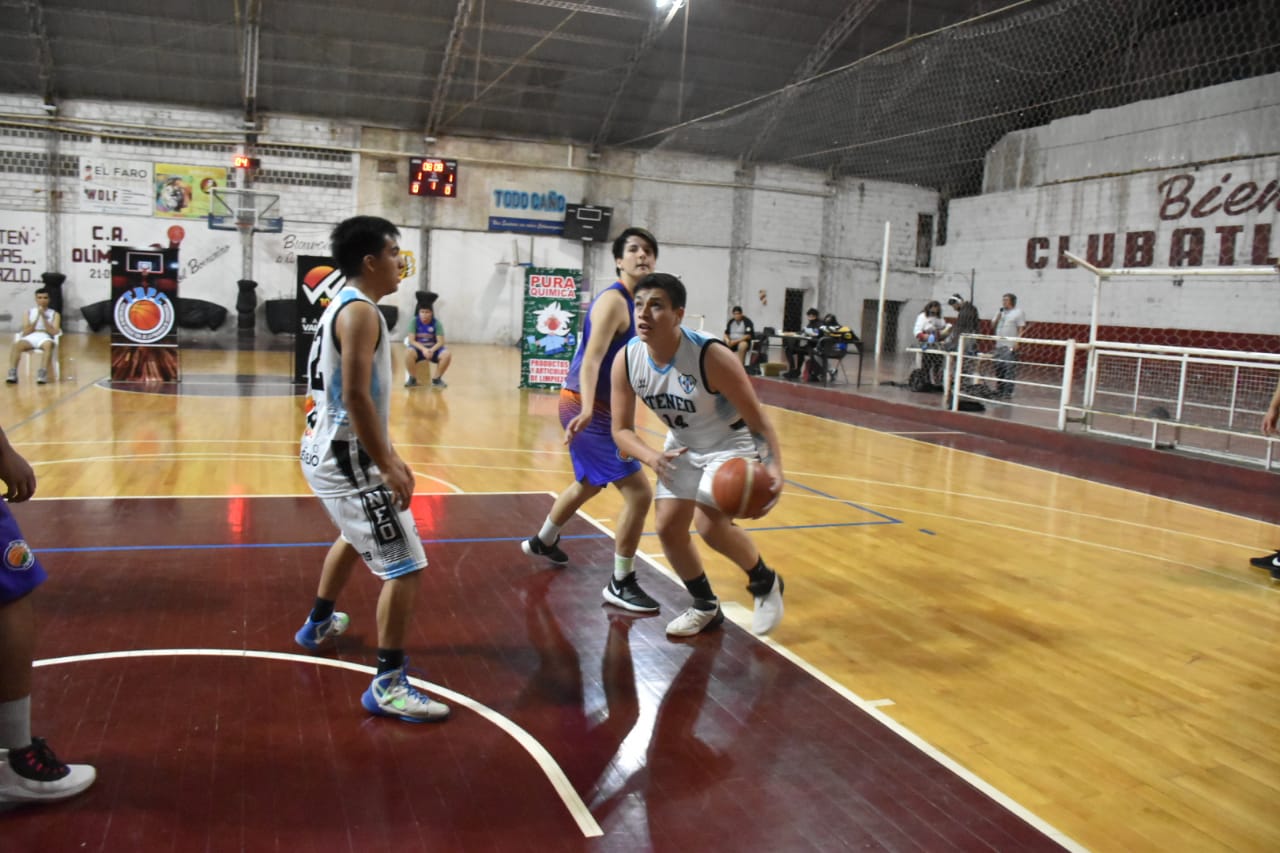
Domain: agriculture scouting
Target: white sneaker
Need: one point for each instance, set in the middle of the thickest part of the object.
(34, 774)
(768, 609)
(391, 695)
(42, 376)
(694, 621)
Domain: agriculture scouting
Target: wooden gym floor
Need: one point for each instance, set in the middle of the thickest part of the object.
(991, 642)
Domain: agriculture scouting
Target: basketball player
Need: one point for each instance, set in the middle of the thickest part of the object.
(29, 771)
(40, 330)
(694, 383)
(585, 414)
(350, 464)
(1270, 425)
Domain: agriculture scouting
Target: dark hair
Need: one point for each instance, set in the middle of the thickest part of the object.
(668, 284)
(931, 305)
(40, 290)
(354, 238)
(830, 320)
(812, 312)
(1013, 298)
(737, 309)
(620, 242)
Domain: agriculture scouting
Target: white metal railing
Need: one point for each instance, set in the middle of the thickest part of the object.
(1200, 400)
(1044, 385)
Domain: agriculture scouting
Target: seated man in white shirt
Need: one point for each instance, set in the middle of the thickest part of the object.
(40, 330)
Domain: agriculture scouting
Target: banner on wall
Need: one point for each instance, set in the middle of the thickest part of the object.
(22, 251)
(318, 282)
(526, 211)
(144, 329)
(116, 186)
(185, 192)
(547, 335)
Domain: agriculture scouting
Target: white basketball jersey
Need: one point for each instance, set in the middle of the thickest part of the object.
(333, 461)
(697, 418)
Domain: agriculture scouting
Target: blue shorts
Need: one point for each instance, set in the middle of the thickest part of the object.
(20, 571)
(596, 459)
(434, 358)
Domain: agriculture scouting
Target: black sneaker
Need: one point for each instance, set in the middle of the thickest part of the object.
(34, 773)
(534, 548)
(628, 595)
(1270, 561)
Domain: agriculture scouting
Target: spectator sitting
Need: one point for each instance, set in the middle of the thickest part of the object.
(426, 344)
(930, 329)
(797, 348)
(40, 329)
(739, 332)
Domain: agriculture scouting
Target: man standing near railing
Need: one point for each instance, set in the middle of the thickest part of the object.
(1008, 324)
(1269, 423)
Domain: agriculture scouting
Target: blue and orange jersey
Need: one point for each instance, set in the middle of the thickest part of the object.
(604, 384)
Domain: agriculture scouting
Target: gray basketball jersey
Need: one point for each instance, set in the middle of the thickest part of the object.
(699, 419)
(333, 461)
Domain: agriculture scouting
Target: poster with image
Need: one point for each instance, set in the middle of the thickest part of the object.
(185, 192)
(549, 331)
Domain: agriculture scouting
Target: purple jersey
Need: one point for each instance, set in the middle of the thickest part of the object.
(604, 383)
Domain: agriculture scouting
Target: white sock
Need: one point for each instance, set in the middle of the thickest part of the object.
(549, 532)
(15, 723)
(622, 566)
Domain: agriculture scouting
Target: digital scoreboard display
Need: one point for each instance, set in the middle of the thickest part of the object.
(430, 176)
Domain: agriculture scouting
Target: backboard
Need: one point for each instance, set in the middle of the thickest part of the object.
(245, 211)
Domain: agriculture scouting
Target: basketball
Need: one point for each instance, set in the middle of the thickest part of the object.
(741, 487)
(144, 315)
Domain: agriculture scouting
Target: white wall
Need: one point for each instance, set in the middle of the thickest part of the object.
(1220, 207)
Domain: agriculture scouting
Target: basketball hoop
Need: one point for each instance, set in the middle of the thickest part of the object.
(245, 211)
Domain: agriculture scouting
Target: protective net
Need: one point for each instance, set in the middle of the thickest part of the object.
(928, 110)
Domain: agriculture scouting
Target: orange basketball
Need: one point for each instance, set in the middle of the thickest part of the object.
(144, 315)
(741, 487)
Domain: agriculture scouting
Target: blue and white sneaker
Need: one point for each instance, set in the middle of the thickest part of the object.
(391, 695)
(312, 635)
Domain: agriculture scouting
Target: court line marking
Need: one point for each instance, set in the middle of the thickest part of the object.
(559, 781)
(996, 459)
(739, 615)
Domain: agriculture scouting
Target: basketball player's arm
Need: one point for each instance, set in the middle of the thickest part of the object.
(630, 444)
(608, 318)
(1273, 413)
(19, 480)
(725, 374)
(55, 328)
(357, 329)
(28, 324)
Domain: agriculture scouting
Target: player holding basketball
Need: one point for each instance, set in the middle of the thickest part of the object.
(350, 464)
(29, 771)
(700, 389)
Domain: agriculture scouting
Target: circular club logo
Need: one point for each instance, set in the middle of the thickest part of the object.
(18, 557)
(144, 315)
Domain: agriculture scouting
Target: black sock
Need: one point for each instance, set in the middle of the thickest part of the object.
(759, 578)
(390, 659)
(700, 589)
(321, 610)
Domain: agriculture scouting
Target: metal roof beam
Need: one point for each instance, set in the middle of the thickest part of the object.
(35, 17)
(461, 17)
(657, 24)
(250, 29)
(583, 7)
(852, 16)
